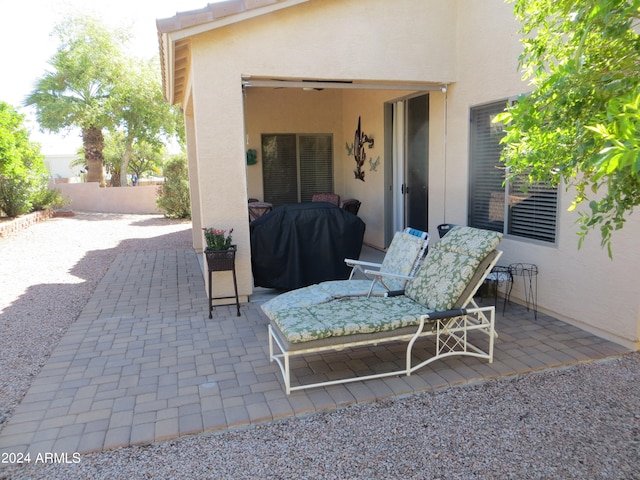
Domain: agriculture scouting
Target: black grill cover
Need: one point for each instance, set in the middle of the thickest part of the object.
(301, 244)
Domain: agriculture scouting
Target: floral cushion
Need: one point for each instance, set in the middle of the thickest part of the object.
(469, 241)
(400, 258)
(301, 297)
(348, 317)
(352, 288)
(450, 265)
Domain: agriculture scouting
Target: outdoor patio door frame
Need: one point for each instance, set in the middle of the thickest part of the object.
(400, 173)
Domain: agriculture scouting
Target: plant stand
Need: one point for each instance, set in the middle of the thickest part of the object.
(529, 274)
(221, 261)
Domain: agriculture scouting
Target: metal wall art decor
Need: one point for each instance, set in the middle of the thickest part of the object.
(358, 151)
(373, 166)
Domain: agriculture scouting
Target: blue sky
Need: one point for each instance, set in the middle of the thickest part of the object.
(27, 45)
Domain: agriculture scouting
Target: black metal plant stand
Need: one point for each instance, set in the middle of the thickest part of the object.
(221, 261)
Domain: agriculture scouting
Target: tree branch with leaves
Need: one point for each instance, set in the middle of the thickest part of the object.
(581, 122)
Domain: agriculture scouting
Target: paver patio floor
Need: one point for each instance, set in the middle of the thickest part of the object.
(144, 363)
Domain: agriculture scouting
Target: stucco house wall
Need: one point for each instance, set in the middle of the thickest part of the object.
(469, 45)
(583, 287)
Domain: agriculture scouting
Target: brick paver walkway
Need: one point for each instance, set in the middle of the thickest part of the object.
(144, 363)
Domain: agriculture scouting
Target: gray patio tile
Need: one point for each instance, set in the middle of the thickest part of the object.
(18, 428)
(143, 433)
(280, 408)
(485, 371)
(16, 443)
(23, 417)
(259, 413)
(69, 444)
(184, 400)
(166, 428)
(234, 401)
(144, 417)
(120, 419)
(191, 409)
(93, 415)
(97, 425)
(40, 446)
(167, 413)
(150, 406)
(80, 405)
(214, 419)
(62, 421)
(237, 416)
(92, 441)
(123, 404)
(74, 430)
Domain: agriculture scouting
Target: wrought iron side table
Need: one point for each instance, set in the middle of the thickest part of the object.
(529, 274)
(501, 275)
(222, 261)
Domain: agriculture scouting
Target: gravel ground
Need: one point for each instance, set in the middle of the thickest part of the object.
(581, 422)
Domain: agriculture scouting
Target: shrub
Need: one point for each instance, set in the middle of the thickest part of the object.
(14, 196)
(173, 196)
(45, 198)
(23, 176)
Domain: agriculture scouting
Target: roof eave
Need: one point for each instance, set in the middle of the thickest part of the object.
(188, 24)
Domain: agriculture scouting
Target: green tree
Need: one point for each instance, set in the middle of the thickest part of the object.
(580, 124)
(23, 176)
(142, 113)
(145, 157)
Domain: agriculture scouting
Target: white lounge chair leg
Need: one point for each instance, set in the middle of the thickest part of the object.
(270, 345)
(287, 374)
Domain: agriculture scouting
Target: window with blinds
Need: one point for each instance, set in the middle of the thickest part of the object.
(518, 209)
(295, 166)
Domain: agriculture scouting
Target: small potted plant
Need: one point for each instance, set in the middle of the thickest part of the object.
(217, 239)
(219, 252)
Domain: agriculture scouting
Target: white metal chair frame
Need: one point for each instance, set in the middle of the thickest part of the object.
(376, 275)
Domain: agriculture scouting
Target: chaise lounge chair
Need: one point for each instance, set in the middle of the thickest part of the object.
(438, 302)
(400, 263)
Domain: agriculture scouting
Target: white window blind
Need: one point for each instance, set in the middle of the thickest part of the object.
(279, 169)
(530, 211)
(316, 165)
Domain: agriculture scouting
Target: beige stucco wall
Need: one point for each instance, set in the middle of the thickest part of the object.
(470, 43)
(89, 197)
(369, 106)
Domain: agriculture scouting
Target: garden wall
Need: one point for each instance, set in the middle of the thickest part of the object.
(90, 197)
(9, 226)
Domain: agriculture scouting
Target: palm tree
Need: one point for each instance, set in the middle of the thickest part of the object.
(77, 92)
